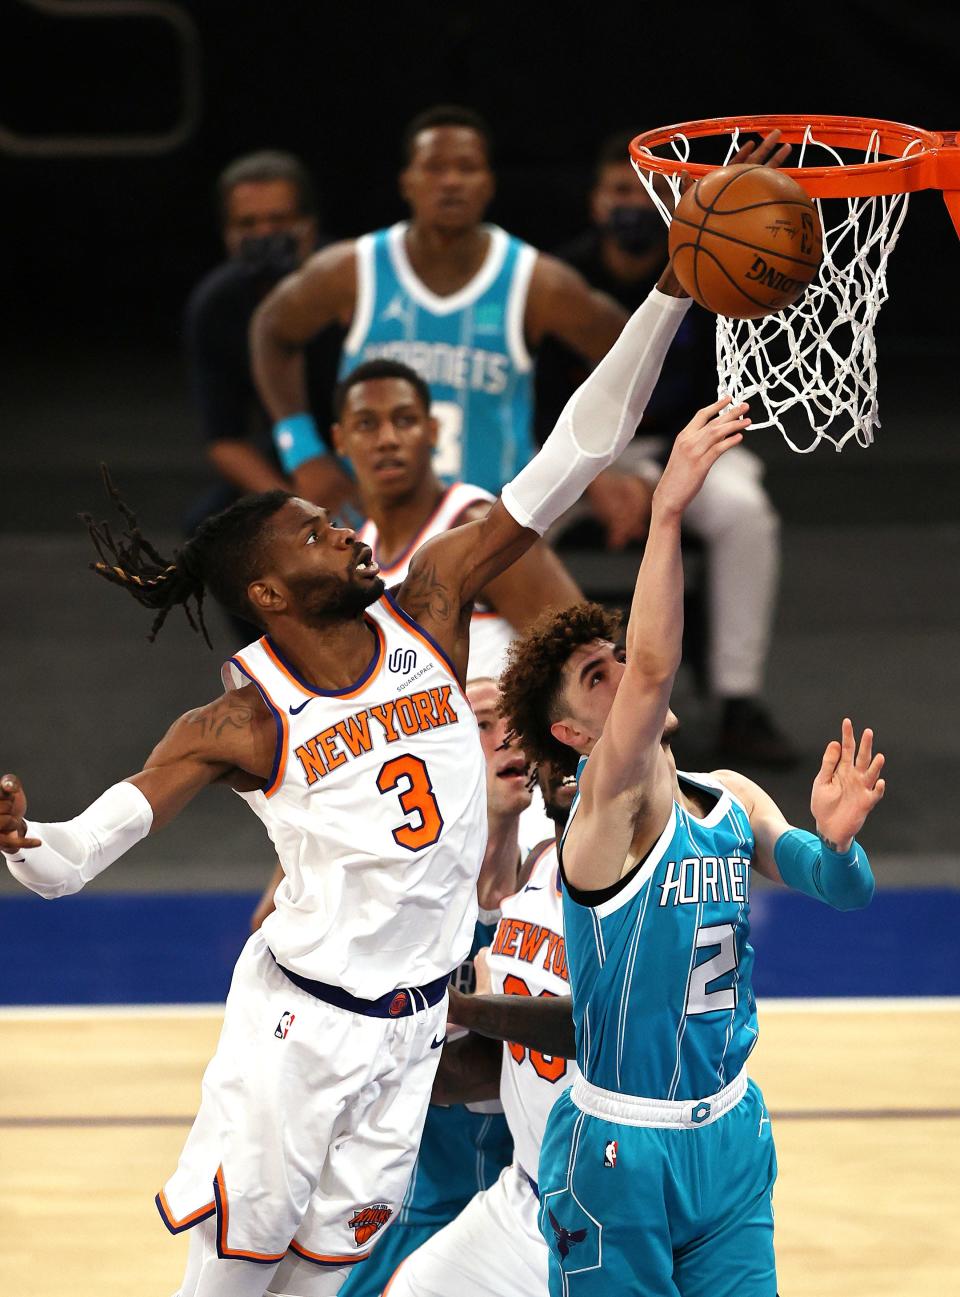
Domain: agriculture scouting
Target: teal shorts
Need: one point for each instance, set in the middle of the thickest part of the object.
(370, 1277)
(659, 1212)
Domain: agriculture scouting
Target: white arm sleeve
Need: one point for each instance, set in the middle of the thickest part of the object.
(72, 853)
(599, 420)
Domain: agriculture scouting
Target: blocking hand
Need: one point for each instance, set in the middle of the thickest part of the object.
(847, 788)
(13, 807)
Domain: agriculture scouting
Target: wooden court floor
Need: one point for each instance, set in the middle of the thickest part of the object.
(864, 1095)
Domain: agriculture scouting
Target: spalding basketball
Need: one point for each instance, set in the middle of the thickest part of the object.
(745, 241)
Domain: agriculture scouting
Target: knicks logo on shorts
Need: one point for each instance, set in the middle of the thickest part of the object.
(365, 1221)
(284, 1025)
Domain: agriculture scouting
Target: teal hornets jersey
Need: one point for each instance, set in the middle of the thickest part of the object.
(463, 1150)
(660, 971)
(468, 347)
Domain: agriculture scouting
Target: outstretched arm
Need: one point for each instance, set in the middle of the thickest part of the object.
(230, 739)
(539, 1022)
(829, 865)
(626, 789)
(449, 572)
(469, 1071)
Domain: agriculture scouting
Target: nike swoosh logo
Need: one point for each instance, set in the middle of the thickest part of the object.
(295, 711)
(528, 888)
(435, 1044)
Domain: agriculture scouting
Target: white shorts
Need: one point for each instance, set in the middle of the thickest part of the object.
(309, 1121)
(492, 1249)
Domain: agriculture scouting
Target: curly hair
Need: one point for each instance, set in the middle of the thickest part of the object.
(532, 681)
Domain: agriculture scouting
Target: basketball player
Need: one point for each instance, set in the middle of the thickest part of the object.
(658, 1164)
(387, 431)
(346, 731)
(464, 1148)
(462, 303)
(494, 1248)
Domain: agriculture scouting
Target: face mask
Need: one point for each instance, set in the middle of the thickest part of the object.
(275, 252)
(635, 229)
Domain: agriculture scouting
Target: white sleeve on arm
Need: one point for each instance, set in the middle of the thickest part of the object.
(599, 420)
(72, 853)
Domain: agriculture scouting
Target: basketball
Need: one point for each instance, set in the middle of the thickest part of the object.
(745, 241)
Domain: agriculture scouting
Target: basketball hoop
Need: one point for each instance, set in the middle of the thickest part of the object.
(818, 355)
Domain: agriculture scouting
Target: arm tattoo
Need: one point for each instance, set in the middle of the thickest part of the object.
(426, 596)
(226, 717)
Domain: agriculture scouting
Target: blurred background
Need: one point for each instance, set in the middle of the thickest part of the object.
(113, 129)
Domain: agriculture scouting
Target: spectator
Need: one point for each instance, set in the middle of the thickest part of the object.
(621, 255)
(269, 223)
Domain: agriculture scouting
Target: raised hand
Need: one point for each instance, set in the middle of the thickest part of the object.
(768, 153)
(621, 502)
(847, 787)
(13, 807)
(711, 432)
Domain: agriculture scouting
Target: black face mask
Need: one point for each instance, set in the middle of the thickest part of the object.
(274, 252)
(635, 229)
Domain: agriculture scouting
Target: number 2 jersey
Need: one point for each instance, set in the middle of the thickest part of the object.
(377, 808)
(660, 969)
(528, 957)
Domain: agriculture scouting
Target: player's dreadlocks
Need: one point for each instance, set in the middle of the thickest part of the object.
(532, 682)
(222, 556)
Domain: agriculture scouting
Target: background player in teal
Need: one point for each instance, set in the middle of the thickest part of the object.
(462, 303)
(464, 1147)
(658, 1165)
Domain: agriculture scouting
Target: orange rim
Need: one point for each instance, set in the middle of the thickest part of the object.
(933, 164)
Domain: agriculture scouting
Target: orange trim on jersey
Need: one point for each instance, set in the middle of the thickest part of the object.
(409, 550)
(327, 1260)
(391, 1279)
(366, 680)
(171, 1221)
(224, 1222)
(534, 856)
(283, 725)
(413, 629)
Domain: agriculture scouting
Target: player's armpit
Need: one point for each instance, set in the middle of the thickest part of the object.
(766, 820)
(469, 1071)
(229, 739)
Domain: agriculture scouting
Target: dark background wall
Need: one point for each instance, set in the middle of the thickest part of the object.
(111, 246)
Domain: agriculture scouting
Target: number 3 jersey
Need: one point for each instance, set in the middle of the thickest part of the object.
(660, 969)
(527, 957)
(376, 805)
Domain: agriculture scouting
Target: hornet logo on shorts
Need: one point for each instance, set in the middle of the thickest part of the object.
(566, 1238)
(284, 1025)
(365, 1221)
(610, 1153)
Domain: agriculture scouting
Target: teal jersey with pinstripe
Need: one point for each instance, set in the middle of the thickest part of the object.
(660, 971)
(469, 348)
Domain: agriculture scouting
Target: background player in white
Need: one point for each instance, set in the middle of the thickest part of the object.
(440, 265)
(494, 1248)
(302, 1149)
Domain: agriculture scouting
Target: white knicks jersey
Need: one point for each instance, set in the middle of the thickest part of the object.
(377, 808)
(528, 957)
(490, 634)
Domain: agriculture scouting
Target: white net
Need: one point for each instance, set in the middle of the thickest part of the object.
(817, 357)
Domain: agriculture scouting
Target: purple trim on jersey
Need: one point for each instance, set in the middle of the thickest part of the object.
(187, 1224)
(420, 631)
(332, 693)
(277, 720)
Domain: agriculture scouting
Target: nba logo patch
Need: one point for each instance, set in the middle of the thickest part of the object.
(284, 1025)
(610, 1153)
(365, 1221)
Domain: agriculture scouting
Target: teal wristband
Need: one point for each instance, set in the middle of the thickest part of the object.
(842, 880)
(297, 440)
